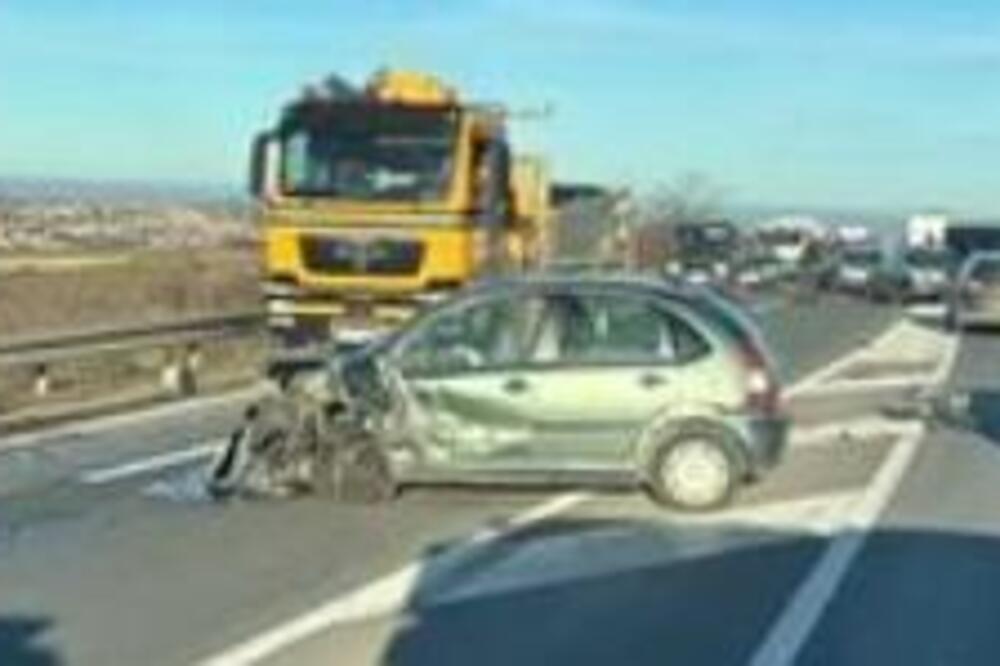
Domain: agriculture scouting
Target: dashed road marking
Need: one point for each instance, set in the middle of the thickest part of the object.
(104, 475)
(77, 430)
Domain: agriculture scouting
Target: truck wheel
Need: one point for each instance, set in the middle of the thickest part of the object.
(694, 471)
(351, 467)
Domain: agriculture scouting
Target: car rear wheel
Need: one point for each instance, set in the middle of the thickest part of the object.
(694, 472)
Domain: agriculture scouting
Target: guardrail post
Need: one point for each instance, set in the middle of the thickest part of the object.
(42, 383)
(178, 376)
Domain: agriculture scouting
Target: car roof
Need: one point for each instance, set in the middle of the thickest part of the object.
(701, 298)
(646, 282)
(712, 306)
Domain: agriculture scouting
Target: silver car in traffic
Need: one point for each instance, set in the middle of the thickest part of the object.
(975, 298)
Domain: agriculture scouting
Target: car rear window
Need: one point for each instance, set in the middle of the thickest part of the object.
(731, 322)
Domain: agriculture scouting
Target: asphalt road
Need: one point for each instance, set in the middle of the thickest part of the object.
(138, 569)
(926, 588)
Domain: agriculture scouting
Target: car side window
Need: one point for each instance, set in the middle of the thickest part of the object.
(484, 335)
(986, 271)
(604, 329)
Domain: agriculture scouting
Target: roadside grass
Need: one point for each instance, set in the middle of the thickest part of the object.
(141, 287)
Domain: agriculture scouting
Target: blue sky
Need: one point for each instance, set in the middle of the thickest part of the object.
(829, 103)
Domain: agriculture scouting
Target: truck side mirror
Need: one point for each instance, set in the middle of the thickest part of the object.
(493, 200)
(263, 165)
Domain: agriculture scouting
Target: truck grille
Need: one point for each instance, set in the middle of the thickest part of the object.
(378, 256)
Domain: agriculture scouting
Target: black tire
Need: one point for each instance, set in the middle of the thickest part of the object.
(719, 459)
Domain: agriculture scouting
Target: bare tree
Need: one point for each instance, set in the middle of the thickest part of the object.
(690, 198)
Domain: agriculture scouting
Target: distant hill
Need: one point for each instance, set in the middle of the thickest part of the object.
(117, 191)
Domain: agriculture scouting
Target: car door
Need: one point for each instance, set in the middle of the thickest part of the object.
(601, 366)
(461, 370)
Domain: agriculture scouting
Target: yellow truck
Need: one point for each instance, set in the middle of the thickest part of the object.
(377, 200)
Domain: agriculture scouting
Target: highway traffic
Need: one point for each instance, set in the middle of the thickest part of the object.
(499, 333)
(112, 553)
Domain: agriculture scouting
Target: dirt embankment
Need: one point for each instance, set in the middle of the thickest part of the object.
(46, 296)
(142, 287)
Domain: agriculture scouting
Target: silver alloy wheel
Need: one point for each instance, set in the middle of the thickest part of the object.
(696, 473)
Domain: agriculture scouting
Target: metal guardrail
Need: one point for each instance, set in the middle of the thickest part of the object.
(184, 337)
(42, 350)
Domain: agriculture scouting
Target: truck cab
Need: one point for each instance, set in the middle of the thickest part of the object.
(375, 201)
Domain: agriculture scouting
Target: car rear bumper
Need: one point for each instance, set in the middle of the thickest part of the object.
(765, 439)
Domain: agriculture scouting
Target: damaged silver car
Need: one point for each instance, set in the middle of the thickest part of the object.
(542, 380)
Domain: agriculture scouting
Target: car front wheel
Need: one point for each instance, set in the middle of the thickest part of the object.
(694, 472)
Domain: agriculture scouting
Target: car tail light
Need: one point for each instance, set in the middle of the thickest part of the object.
(763, 392)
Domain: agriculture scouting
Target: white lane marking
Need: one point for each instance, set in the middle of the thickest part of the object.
(838, 432)
(80, 429)
(822, 375)
(385, 595)
(811, 514)
(559, 560)
(787, 636)
(106, 475)
(842, 386)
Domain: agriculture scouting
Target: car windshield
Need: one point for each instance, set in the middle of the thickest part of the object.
(361, 153)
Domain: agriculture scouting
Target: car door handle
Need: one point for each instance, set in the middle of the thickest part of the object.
(651, 380)
(515, 385)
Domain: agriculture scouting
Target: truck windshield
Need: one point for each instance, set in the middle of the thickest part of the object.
(370, 154)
